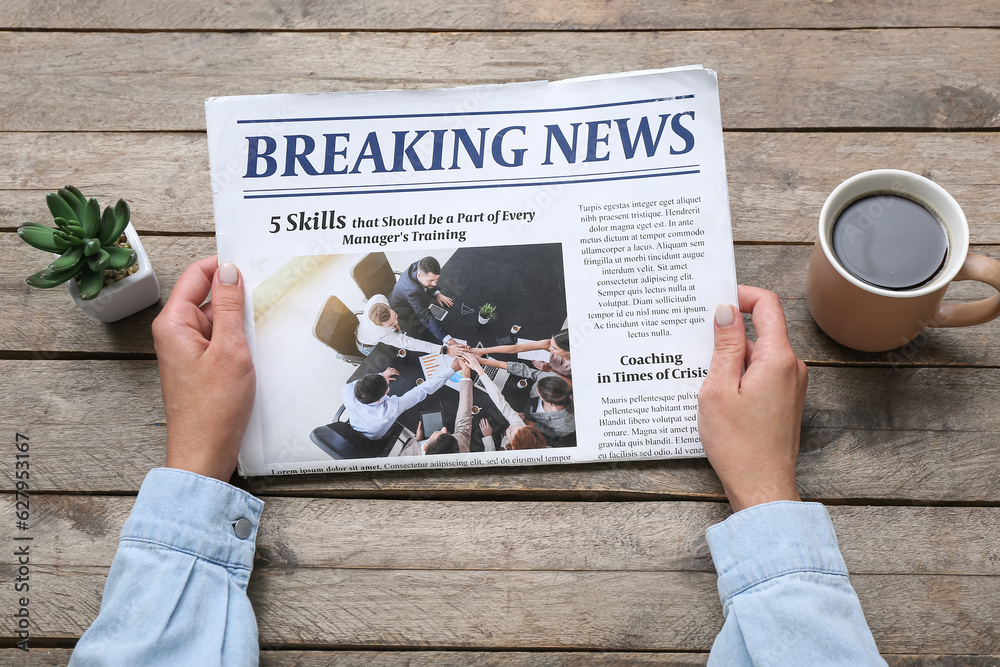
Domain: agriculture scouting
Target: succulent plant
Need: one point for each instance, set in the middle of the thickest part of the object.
(487, 310)
(84, 238)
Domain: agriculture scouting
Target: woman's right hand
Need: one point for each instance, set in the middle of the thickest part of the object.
(750, 421)
(473, 361)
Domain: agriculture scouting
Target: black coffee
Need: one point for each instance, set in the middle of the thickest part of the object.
(890, 241)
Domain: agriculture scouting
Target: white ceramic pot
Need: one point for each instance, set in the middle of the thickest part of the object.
(127, 296)
(484, 320)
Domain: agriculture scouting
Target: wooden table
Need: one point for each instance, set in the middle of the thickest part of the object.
(586, 565)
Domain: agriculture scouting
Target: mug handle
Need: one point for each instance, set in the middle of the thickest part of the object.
(950, 314)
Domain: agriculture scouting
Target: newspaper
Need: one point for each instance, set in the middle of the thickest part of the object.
(595, 208)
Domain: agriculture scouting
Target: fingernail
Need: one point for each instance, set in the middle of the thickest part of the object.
(228, 275)
(724, 315)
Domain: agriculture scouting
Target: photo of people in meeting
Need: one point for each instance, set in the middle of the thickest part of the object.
(408, 354)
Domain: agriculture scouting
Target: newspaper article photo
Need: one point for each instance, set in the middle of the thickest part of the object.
(364, 322)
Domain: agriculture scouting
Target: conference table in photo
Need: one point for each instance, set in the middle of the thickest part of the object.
(527, 286)
(558, 566)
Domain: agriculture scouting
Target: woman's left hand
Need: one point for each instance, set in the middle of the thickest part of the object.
(206, 372)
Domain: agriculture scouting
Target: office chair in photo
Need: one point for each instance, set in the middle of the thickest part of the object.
(336, 327)
(340, 441)
(373, 275)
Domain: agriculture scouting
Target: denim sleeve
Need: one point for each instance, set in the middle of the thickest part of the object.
(176, 592)
(785, 593)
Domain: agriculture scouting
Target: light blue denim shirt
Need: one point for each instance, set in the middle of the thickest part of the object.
(784, 590)
(176, 592)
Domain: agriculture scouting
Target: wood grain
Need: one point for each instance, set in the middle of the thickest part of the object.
(402, 574)
(164, 176)
(837, 465)
(324, 658)
(560, 659)
(777, 180)
(493, 15)
(506, 566)
(612, 611)
(316, 658)
(906, 434)
(297, 533)
(480, 659)
(934, 78)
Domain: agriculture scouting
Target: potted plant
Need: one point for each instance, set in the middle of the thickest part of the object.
(486, 312)
(100, 256)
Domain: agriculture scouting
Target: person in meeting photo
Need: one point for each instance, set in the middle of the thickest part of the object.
(550, 401)
(557, 346)
(380, 324)
(372, 411)
(411, 298)
(518, 435)
(442, 442)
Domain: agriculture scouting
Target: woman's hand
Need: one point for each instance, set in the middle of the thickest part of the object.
(455, 348)
(472, 361)
(750, 421)
(206, 372)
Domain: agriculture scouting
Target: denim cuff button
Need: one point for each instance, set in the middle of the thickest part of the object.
(242, 528)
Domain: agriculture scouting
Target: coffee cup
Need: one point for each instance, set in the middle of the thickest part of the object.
(401, 353)
(514, 329)
(420, 381)
(895, 290)
(522, 383)
(475, 409)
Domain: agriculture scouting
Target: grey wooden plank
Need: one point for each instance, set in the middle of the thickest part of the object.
(72, 531)
(480, 659)
(839, 465)
(48, 321)
(470, 609)
(36, 657)
(777, 180)
(163, 176)
(933, 78)
(943, 660)
(492, 15)
(427, 658)
(313, 658)
(912, 434)
(561, 659)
